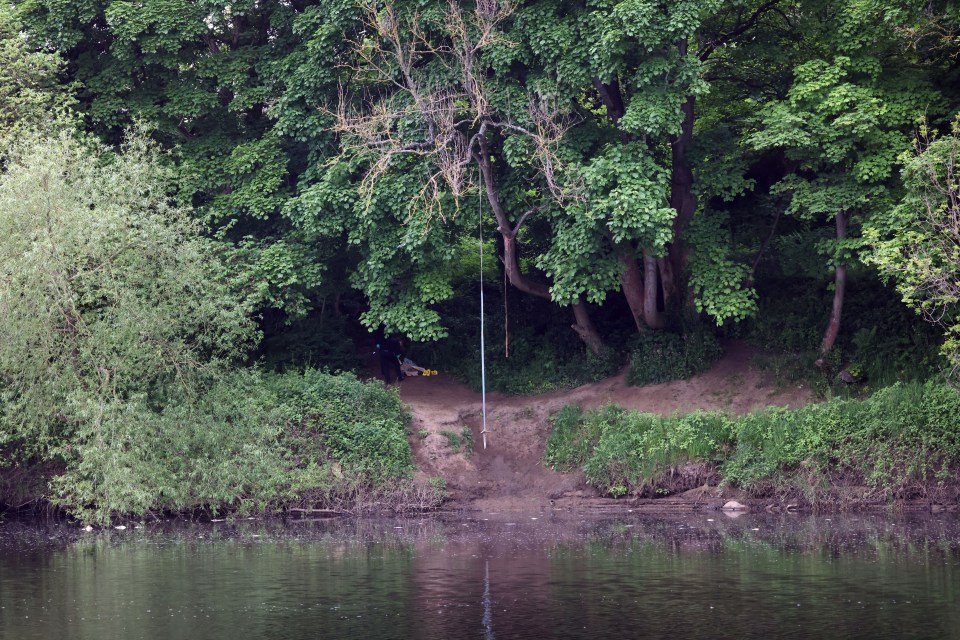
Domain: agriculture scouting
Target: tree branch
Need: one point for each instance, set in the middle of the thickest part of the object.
(707, 50)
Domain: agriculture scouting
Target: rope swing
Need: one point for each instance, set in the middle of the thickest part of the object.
(483, 364)
(506, 319)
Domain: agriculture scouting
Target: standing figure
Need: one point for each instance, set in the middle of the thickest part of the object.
(391, 353)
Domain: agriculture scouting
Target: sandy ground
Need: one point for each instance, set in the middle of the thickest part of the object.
(508, 475)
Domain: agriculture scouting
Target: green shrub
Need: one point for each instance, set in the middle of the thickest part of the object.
(631, 449)
(904, 438)
(362, 425)
(575, 435)
(251, 443)
(661, 356)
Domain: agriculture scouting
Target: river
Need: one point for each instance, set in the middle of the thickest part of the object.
(486, 575)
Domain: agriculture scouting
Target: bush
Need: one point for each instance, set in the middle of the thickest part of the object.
(338, 417)
(661, 357)
(905, 435)
(251, 443)
(903, 440)
(618, 448)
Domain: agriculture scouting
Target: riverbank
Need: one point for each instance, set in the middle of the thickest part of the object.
(728, 434)
(332, 445)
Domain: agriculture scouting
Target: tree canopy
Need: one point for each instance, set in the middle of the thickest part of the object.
(638, 158)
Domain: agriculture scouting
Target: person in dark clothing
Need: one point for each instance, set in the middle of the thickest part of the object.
(391, 353)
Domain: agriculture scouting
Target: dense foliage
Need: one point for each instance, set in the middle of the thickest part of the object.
(120, 340)
(110, 299)
(901, 443)
(643, 156)
(195, 196)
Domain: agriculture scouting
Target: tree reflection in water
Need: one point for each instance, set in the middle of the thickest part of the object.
(693, 575)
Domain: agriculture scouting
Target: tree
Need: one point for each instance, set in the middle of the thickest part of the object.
(31, 93)
(917, 242)
(636, 70)
(564, 113)
(112, 304)
(843, 123)
(232, 87)
(428, 110)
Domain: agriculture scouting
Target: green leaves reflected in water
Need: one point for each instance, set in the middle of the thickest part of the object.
(693, 575)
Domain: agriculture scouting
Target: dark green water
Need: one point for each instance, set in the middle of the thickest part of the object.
(486, 576)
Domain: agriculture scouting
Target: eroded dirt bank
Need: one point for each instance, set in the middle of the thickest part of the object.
(509, 474)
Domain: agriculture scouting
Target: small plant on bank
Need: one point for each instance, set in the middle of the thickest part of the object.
(454, 440)
(439, 486)
(466, 435)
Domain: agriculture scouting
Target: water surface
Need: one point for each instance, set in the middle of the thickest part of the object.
(544, 575)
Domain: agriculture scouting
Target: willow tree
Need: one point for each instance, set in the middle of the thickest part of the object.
(917, 242)
(113, 306)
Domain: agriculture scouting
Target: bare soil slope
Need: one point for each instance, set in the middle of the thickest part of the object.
(509, 474)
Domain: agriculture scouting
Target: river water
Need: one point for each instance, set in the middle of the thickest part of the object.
(483, 575)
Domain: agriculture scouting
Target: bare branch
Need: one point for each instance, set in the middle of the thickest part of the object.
(404, 111)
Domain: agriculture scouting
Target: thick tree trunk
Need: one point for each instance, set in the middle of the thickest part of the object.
(631, 281)
(651, 314)
(511, 262)
(585, 329)
(840, 286)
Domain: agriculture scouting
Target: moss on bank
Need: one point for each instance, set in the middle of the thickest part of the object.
(902, 443)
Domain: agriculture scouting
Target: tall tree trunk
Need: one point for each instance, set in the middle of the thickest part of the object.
(840, 286)
(651, 313)
(631, 281)
(511, 262)
(585, 329)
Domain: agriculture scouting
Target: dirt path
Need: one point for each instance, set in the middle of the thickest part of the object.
(509, 475)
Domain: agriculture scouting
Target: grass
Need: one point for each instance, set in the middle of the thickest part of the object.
(456, 440)
(902, 443)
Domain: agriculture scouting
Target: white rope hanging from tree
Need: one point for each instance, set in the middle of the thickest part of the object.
(483, 364)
